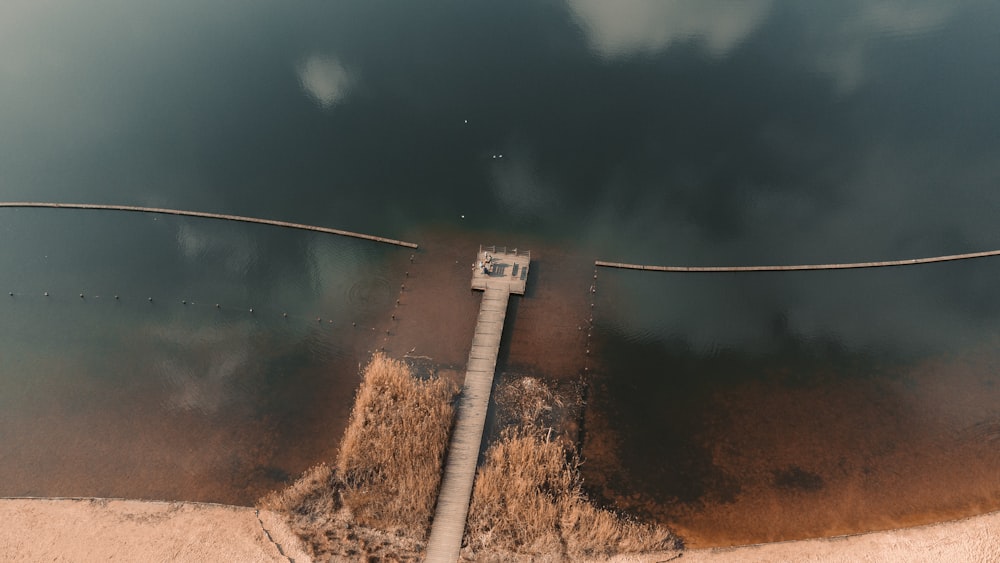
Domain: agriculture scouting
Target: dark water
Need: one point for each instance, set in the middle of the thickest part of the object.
(122, 377)
(837, 404)
(691, 132)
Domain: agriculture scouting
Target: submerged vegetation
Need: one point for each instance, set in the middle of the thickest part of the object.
(377, 501)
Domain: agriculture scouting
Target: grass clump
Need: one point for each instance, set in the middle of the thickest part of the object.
(528, 501)
(392, 453)
(378, 499)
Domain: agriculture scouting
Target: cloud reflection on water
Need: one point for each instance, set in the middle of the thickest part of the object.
(620, 29)
(217, 364)
(325, 79)
(845, 53)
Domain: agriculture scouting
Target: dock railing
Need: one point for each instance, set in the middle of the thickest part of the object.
(493, 249)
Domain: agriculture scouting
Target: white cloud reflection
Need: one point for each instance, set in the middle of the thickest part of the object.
(208, 376)
(324, 79)
(852, 40)
(198, 243)
(624, 27)
(899, 202)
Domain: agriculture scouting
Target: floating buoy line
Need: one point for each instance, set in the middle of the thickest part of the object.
(118, 300)
(799, 267)
(206, 215)
(589, 325)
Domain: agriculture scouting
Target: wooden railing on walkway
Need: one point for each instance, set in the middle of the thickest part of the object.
(493, 249)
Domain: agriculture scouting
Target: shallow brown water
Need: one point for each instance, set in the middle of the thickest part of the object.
(769, 461)
(783, 456)
(174, 398)
(544, 332)
(124, 441)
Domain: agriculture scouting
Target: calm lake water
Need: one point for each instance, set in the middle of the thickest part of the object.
(685, 132)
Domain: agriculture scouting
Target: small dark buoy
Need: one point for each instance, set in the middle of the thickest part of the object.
(217, 306)
(402, 287)
(81, 296)
(116, 297)
(11, 294)
(407, 274)
(184, 302)
(387, 331)
(393, 316)
(150, 299)
(397, 302)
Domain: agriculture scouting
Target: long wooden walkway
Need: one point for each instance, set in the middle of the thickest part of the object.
(445, 543)
(240, 218)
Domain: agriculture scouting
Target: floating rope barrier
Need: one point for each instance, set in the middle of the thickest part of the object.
(205, 215)
(799, 267)
(119, 300)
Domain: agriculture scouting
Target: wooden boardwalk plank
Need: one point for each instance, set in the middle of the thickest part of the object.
(452, 509)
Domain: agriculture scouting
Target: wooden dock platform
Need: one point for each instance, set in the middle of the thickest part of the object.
(509, 275)
(508, 269)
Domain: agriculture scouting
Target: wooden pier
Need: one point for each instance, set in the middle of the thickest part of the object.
(508, 269)
(240, 218)
(504, 274)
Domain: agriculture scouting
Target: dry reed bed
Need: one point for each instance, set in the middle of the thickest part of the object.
(376, 503)
(379, 499)
(528, 502)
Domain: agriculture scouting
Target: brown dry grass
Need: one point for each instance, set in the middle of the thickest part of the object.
(528, 501)
(379, 499)
(394, 446)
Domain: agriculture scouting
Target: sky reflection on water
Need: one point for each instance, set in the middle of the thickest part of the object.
(683, 133)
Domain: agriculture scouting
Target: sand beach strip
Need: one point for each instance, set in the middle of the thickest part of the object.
(136, 530)
(104, 529)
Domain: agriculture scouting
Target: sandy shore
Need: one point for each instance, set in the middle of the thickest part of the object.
(969, 540)
(133, 530)
(96, 529)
